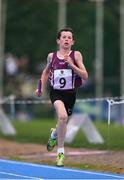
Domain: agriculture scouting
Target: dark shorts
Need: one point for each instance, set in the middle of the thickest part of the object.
(67, 97)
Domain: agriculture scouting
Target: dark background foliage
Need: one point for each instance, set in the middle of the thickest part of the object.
(31, 29)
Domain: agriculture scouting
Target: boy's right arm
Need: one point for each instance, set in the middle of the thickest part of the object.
(44, 76)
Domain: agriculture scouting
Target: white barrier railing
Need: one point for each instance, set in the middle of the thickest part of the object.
(12, 98)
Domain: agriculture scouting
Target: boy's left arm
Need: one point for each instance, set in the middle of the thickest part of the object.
(80, 68)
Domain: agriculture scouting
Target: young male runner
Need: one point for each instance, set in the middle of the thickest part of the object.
(66, 72)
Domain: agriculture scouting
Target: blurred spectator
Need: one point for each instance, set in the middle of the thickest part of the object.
(10, 73)
(11, 65)
(17, 81)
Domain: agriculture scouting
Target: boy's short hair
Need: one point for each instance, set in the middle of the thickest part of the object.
(65, 29)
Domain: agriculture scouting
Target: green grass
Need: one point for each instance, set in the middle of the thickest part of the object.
(37, 131)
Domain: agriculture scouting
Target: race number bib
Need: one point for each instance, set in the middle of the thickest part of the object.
(63, 79)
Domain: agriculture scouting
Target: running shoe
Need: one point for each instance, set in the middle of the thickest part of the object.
(60, 160)
(51, 142)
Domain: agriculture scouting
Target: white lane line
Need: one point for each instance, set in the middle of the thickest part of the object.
(19, 175)
(61, 169)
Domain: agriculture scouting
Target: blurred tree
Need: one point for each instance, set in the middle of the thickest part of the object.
(32, 26)
(111, 47)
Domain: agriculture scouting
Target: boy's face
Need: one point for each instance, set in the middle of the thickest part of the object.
(66, 40)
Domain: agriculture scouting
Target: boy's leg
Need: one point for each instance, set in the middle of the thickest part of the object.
(52, 140)
(62, 122)
(61, 130)
(57, 135)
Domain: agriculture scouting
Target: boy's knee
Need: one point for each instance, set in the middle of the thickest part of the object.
(63, 118)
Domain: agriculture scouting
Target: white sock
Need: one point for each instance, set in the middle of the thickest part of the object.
(60, 150)
(54, 134)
